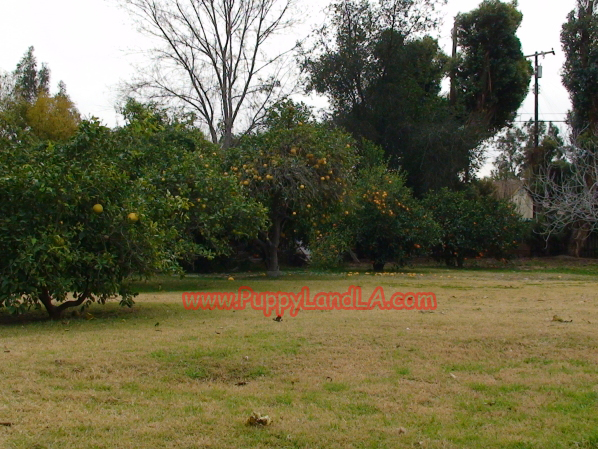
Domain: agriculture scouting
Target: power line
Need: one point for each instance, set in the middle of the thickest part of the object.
(543, 113)
(541, 121)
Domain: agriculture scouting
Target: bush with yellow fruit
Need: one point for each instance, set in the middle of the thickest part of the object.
(84, 216)
(295, 167)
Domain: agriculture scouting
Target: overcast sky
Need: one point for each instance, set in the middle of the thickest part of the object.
(90, 44)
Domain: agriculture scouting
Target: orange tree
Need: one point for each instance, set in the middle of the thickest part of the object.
(297, 168)
(384, 222)
(473, 225)
(80, 219)
(175, 157)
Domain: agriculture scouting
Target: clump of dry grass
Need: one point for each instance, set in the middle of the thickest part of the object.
(488, 369)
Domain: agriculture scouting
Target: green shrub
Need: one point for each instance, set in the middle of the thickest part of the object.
(474, 226)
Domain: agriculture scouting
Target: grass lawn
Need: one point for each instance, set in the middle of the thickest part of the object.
(490, 368)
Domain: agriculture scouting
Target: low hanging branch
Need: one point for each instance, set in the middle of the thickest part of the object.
(55, 311)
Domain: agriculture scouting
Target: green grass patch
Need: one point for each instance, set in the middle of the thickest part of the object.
(157, 375)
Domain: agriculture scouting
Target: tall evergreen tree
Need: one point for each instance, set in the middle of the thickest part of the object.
(493, 75)
(27, 108)
(383, 78)
(579, 37)
(31, 82)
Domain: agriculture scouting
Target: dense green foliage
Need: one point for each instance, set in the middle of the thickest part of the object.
(492, 73)
(297, 168)
(473, 225)
(54, 244)
(384, 83)
(388, 223)
(176, 157)
(383, 78)
(381, 221)
(82, 217)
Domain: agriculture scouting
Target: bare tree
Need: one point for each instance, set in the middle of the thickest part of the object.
(213, 59)
(568, 196)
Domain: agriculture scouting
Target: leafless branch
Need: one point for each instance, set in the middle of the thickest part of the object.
(213, 58)
(569, 196)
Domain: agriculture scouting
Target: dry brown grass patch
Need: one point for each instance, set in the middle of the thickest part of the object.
(488, 369)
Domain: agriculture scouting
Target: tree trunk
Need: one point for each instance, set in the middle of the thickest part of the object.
(581, 232)
(271, 248)
(272, 260)
(378, 266)
(453, 74)
(353, 256)
(227, 138)
(56, 311)
(46, 300)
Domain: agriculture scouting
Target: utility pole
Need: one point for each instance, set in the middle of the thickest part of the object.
(537, 76)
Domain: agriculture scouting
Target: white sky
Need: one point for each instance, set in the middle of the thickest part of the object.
(90, 44)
